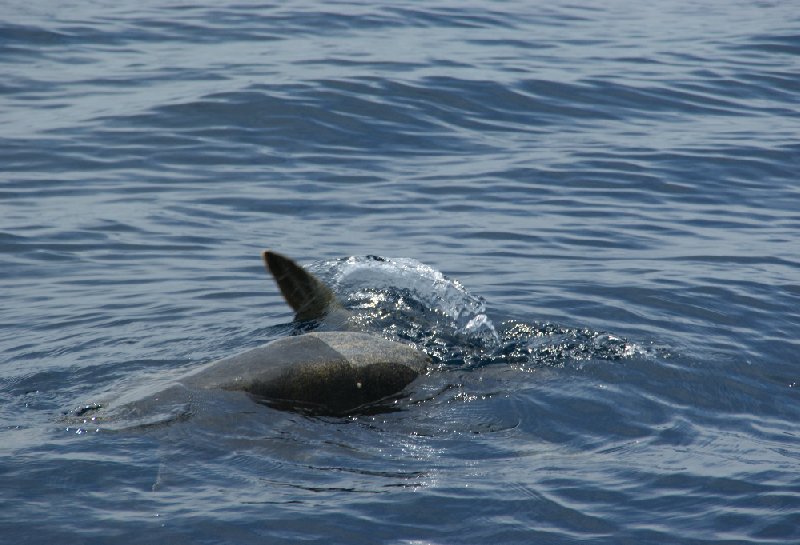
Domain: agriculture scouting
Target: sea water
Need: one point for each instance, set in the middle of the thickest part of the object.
(587, 213)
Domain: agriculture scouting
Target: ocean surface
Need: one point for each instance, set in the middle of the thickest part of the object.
(587, 213)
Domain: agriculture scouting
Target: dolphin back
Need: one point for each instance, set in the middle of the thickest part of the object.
(326, 373)
(321, 373)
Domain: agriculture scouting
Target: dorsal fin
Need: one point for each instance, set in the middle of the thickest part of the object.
(305, 293)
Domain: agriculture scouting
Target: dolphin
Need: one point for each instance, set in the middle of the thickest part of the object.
(321, 373)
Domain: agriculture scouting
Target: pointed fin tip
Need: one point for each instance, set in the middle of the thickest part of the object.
(308, 296)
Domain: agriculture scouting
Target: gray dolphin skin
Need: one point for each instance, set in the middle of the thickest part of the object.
(333, 373)
(320, 373)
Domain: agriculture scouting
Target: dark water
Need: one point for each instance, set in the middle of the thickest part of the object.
(611, 190)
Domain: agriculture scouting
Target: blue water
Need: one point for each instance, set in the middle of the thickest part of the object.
(590, 213)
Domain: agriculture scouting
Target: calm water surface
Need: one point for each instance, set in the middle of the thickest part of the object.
(610, 188)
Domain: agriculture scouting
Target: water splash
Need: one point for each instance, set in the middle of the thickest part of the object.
(408, 300)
